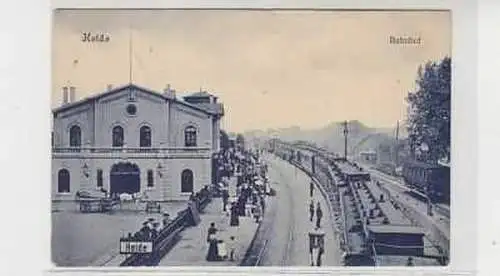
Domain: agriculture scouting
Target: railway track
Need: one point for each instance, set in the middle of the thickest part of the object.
(437, 230)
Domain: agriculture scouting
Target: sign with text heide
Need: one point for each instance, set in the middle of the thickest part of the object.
(135, 247)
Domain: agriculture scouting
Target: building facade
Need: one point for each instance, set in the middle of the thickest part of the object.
(131, 140)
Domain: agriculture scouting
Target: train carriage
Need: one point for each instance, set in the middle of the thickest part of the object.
(431, 179)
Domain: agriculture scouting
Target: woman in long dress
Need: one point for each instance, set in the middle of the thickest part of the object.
(235, 220)
(213, 253)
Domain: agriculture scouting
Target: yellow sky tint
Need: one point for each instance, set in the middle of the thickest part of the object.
(269, 68)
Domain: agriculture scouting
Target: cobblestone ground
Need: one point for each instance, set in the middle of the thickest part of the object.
(93, 239)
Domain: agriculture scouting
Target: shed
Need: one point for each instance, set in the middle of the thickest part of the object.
(403, 240)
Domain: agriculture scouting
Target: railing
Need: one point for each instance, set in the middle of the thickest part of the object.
(168, 237)
(131, 150)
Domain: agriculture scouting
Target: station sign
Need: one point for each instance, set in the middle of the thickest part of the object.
(136, 247)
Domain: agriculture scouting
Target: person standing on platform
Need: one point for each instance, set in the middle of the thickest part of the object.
(257, 212)
(225, 198)
(154, 230)
(319, 215)
(321, 246)
(232, 248)
(234, 219)
(166, 219)
(311, 189)
(213, 253)
(263, 204)
(311, 210)
(145, 232)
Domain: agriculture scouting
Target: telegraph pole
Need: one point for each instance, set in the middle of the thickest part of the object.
(346, 131)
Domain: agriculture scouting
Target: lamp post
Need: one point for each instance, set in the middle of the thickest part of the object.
(346, 131)
(85, 170)
(158, 170)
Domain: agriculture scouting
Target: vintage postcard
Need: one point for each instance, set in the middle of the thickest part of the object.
(274, 138)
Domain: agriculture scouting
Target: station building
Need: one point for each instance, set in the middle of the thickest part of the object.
(131, 139)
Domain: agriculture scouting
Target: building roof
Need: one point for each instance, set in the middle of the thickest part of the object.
(395, 229)
(215, 108)
(201, 94)
(212, 109)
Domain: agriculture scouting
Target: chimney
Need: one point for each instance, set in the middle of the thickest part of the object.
(65, 95)
(109, 87)
(72, 94)
(167, 91)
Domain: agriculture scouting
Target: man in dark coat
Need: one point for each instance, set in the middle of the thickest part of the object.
(145, 232)
(235, 219)
(311, 210)
(311, 189)
(319, 215)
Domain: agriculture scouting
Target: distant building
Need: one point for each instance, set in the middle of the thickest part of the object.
(131, 139)
(368, 156)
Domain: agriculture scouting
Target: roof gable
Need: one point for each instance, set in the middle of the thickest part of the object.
(125, 87)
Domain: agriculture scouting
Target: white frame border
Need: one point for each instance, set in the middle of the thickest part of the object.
(464, 199)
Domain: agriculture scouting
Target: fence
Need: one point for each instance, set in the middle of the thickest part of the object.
(169, 236)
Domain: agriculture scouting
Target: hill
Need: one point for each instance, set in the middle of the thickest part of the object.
(360, 136)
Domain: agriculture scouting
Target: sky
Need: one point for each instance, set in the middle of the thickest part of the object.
(271, 69)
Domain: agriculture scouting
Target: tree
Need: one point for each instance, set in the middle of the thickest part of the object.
(429, 111)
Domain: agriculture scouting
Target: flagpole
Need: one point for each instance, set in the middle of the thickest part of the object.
(130, 56)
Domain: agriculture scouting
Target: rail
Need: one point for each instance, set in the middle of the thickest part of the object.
(256, 245)
(322, 187)
(439, 240)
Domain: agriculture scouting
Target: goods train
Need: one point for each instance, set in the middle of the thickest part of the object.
(434, 180)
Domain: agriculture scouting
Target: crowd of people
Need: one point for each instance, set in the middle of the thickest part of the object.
(150, 229)
(249, 200)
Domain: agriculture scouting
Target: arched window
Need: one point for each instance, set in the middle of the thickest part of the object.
(99, 178)
(117, 136)
(75, 136)
(151, 180)
(190, 136)
(63, 181)
(187, 181)
(145, 137)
